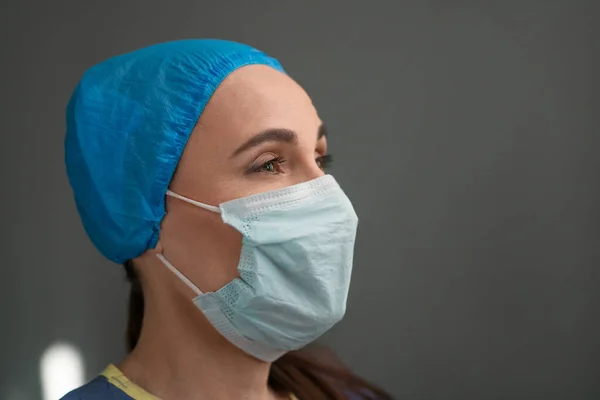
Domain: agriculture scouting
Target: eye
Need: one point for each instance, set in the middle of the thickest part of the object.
(324, 162)
(273, 166)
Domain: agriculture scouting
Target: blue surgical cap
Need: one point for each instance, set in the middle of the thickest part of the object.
(128, 122)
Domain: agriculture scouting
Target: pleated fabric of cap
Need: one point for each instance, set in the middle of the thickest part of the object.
(128, 122)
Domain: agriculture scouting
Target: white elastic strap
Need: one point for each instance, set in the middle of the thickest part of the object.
(194, 202)
(179, 274)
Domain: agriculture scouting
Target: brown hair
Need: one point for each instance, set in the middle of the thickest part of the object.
(306, 376)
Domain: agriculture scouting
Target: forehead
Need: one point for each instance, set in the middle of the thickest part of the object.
(252, 99)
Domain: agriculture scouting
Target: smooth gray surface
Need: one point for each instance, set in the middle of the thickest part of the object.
(465, 132)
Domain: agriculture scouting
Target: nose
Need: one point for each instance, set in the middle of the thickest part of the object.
(311, 170)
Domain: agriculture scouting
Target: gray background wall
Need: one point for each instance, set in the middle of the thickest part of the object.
(466, 133)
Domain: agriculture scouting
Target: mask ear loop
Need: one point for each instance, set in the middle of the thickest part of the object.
(166, 262)
(194, 202)
(181, 276)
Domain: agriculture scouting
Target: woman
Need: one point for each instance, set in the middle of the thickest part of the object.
(237, 245)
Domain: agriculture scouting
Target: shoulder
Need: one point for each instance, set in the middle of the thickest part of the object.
(97, 389)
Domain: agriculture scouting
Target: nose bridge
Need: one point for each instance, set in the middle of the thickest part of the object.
(315, 171)
(309, 170)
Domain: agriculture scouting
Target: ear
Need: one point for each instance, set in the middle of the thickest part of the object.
(158, 249)
(149, 254)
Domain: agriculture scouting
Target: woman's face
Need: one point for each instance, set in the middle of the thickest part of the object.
(259, 132)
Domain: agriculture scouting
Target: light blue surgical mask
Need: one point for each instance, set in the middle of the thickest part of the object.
(295, 267)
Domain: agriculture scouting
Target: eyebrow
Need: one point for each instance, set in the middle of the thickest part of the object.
(274, 135)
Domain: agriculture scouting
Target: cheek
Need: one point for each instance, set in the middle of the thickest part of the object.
(202, 247)
(223, 248)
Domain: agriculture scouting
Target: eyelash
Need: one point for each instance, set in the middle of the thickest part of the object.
(323, 162)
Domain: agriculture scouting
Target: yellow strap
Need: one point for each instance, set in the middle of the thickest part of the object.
(117, 378)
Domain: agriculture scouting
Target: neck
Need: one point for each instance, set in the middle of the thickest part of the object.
(180, 356)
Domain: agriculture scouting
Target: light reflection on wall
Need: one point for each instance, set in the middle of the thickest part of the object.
(61, 370)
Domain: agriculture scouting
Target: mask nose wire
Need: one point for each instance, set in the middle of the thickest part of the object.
(194, 202)
(181, 276)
